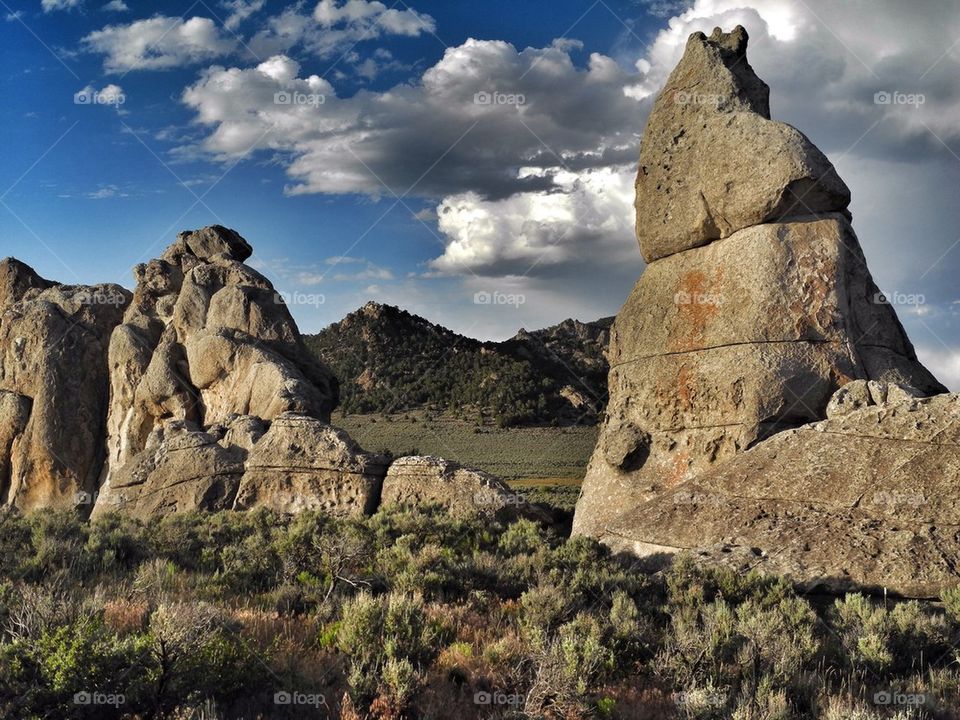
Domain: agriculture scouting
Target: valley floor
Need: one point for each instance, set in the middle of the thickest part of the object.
(541, 455)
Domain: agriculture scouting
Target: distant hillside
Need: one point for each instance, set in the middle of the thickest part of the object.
(389, 360)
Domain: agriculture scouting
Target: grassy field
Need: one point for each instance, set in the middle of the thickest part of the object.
(526, 457)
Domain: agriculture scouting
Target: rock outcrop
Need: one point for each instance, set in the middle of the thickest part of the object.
(427, 480)
(712, 162)
(304, 464)
(196, 392)
(53, 385)
(205, 338)
(865, 499)
(290, 464)
(756, 306)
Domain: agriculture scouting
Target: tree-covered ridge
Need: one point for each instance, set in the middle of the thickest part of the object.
(389, 360)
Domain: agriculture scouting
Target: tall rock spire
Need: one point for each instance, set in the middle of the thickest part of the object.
(756, 305)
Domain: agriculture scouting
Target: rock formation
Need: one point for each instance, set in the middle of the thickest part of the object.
(756, 305)
(53, 385)
(865, 499)
(290, 464)
(206, 337)
(427, 480)
(712, 162)
(194, 393)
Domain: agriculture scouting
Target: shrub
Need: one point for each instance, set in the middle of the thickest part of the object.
(116, 543)
(376, 630)
(196, 653)
(81, 656)
(885, 640)
(57, 538)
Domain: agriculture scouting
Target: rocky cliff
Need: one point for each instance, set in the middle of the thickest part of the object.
(756, 307)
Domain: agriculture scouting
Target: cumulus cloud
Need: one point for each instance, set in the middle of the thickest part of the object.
(159, 43)
(475, 119)
(336, 26)
(588, 217)
(528, 157)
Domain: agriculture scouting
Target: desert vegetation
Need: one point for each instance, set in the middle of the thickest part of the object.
(417, 614)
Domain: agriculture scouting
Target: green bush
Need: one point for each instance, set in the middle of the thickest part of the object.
(388, 629)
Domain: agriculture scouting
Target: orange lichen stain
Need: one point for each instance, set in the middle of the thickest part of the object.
(697, 301)
(678, 473)
(685, 388)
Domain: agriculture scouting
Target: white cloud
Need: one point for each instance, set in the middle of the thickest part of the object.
(509, 179)
(104, 192)
(115, 6)
(54, 5)
(336, 26)
(590, 217)
(434, 138)
(159, 43)
(240, 10)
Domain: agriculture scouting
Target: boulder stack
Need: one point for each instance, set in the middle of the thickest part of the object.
(196, 392)
(756, 305)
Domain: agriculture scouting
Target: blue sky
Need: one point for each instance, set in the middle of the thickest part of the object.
(387, 175)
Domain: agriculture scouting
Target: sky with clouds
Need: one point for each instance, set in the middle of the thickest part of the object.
(431, 154)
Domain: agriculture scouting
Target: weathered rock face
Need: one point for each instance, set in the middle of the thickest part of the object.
(205, 338)
(712, 162)
(53, 385)
(427, 480)
(304, 464)
(867, 498)
(291, 464)
(734, 335)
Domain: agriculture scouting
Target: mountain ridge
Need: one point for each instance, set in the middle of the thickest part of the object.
(389, 359)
